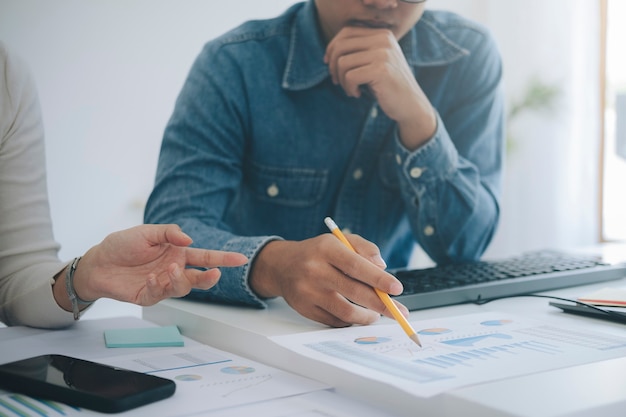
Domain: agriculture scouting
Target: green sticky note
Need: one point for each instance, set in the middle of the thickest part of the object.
(144, 337)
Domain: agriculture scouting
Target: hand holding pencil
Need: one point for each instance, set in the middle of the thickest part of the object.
(324, 281)
(397, 315)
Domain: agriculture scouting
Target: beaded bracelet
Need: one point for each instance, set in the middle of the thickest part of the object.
(69, 286)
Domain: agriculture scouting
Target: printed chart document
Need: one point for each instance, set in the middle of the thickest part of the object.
(210, 379)
(207, 379)
(325, 403)
(456, 351)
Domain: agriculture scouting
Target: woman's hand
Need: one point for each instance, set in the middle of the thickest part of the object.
(148, 263)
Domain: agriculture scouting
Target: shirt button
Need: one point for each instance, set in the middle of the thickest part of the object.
(374, 112)
(357, 174)
(416, 172)
(429, 230)
(272, 190)
(347, 231)
(398, 159)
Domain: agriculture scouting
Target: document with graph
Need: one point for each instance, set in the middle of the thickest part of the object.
(206, 379)
(456, 351)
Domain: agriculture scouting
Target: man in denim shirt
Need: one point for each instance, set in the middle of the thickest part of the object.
(383, 115)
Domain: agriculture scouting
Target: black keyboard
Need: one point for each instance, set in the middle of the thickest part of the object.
(483, 280)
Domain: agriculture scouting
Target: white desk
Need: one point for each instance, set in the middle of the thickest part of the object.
(597, 389)
(265, 392)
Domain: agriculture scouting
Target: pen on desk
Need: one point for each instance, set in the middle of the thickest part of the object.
(395, 312)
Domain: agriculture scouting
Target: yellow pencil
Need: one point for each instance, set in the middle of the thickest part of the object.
(391, 306)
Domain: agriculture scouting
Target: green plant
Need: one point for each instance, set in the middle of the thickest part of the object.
(538, 96)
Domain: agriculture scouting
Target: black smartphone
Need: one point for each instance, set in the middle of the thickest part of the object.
(604, 314)
(83, 383)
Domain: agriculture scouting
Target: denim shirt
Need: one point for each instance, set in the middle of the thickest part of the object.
(262, 146)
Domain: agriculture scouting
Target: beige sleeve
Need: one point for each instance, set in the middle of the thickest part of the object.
(28, 251)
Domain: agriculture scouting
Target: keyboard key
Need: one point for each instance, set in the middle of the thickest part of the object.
(473, 281)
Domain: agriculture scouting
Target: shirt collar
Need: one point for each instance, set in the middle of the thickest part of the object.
(425, 45)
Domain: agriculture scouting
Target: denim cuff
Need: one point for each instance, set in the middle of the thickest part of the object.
(251, 248)
(434, 160)
(233, 286)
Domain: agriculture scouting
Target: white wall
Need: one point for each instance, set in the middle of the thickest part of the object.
(551, 181)
(109, 71)
(108, 74)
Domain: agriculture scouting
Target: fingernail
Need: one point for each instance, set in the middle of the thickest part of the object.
(396, 288)
(379, 261)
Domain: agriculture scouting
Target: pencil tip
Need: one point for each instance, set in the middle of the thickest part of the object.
(415, 339)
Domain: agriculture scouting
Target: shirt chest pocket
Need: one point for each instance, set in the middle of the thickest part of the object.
(293, 187)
